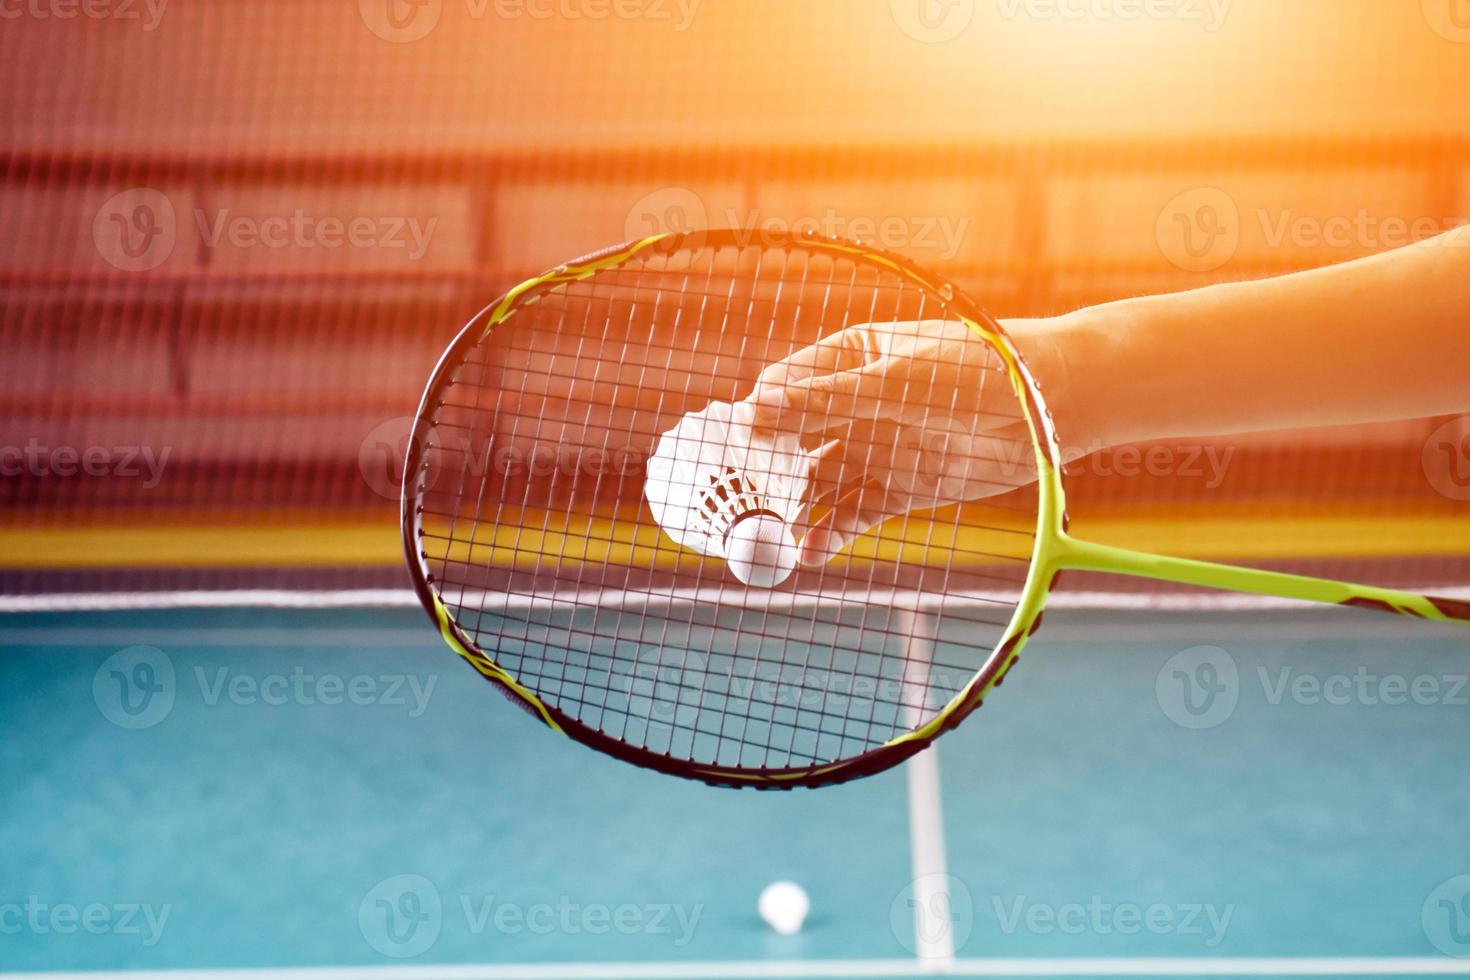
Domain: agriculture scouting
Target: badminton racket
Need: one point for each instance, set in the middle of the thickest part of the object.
(541, 539)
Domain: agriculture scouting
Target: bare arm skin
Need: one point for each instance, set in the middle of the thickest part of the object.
(1386, 337)
(1381, 338)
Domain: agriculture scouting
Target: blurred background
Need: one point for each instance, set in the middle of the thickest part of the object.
(238, 236)
(235, 237)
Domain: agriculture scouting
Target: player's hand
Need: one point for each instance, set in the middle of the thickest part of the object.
(904, 416)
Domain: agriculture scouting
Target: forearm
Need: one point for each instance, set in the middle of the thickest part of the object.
(1381, 338)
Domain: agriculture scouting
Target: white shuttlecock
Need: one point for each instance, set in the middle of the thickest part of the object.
(715, 487)
(784, 906)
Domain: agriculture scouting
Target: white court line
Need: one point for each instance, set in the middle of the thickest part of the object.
(775, 601)
(1132, 636)
(933, 926)
(1246, 966)
(204, 599)
(180, 635)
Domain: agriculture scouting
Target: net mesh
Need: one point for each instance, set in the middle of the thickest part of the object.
(238, 236)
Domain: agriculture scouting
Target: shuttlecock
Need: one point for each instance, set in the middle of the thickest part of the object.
(716, 487)
(784, 905)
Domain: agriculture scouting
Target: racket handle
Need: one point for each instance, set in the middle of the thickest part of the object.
(1091, 557)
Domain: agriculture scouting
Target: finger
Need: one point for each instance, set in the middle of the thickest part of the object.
(858, 510)
(840, 351)
(824, 403)
(864, 452)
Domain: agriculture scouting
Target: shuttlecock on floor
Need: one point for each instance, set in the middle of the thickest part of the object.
(784, 906)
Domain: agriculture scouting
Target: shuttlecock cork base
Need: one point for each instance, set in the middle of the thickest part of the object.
(715, 487)
(760, 550)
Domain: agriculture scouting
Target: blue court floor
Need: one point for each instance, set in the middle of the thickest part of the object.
(246, 788)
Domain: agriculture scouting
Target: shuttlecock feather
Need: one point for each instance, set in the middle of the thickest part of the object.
(716, 487)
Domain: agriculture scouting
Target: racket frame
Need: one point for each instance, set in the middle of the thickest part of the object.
(1046, 563)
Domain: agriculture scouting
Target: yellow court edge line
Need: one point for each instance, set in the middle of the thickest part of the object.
(203, 546)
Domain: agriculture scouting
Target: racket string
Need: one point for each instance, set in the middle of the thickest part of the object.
(562, 370)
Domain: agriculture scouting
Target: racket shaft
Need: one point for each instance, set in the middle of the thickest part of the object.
(1089, 556)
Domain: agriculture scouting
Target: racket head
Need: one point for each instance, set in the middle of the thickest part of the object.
(526, 606)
